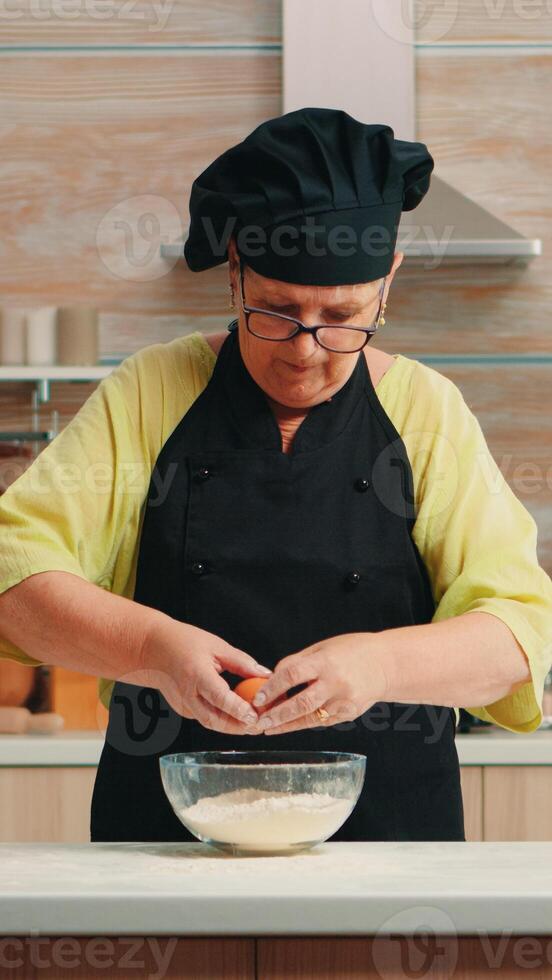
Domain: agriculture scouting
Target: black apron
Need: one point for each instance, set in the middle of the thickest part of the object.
(273, 552)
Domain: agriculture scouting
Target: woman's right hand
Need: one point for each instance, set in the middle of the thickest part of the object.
(184, 662)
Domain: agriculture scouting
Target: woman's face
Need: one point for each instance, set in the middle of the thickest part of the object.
(274, 365)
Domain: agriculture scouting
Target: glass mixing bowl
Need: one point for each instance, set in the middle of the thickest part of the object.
(263, 802)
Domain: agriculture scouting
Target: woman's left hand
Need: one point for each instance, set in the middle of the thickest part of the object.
(344, 675)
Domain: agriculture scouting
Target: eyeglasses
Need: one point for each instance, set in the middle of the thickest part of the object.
(340, 338)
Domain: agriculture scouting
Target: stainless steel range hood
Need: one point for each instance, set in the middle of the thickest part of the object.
(360, 56)
(448, 227)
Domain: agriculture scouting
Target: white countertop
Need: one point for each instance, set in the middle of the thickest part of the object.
(66, 748)
(488, 747)
(498, 747)
(336, 888)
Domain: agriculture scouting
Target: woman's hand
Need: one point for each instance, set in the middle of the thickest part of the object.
(184, 663)
(344, 674)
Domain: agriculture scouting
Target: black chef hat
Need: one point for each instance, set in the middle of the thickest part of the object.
(313, 197)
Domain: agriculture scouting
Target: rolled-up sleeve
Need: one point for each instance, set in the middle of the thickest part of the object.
(479, 543)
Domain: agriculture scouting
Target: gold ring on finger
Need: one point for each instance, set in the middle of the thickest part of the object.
(322, 714)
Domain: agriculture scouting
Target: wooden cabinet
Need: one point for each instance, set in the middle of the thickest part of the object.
(300, 957)
(46, 803)
(517, 802)
(51, 803)
(472, 795)
(507, 803)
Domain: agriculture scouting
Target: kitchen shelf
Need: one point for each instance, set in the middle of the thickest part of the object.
(30, 436)
(43, 375)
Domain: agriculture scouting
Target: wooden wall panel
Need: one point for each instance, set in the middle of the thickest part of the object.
(488, 124)
(96, 22)
(470, 309)
(483, 20)
(487, 120)
(514, 408)
(53, 253)
(133, 126)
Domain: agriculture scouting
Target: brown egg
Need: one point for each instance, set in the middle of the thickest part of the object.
(248, 688)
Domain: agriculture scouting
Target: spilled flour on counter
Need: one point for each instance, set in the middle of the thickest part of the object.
(260, 820)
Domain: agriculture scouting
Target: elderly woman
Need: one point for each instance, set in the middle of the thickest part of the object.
(284, 501)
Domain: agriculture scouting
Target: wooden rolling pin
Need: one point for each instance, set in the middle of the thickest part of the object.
(21, 721)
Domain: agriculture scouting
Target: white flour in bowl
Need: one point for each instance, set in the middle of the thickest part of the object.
(260, 820)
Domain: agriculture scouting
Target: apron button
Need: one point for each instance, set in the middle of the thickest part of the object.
(361, 484)
(353, 578)
(204, 473)
(199, 568)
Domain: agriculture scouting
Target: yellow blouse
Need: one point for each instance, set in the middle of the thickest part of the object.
(78, 508)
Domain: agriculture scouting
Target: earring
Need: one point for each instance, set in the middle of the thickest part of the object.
(232, 304)
(382, 318)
